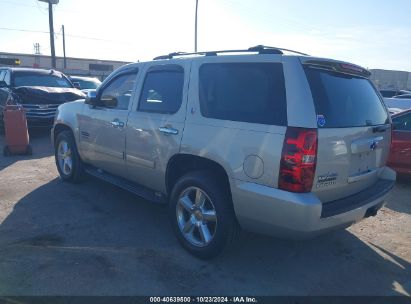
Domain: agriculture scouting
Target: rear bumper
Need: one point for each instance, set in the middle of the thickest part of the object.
(301, 215)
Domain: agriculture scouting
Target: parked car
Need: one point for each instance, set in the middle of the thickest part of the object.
(85, 83)
(39, 91)
(276, 143)
(399, 103)
(400, 155)
(403, 96)
(393, 92)
(394, 110)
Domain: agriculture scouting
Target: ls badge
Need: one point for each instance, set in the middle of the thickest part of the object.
(326, 180)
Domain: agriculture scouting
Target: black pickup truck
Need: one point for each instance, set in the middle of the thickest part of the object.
(39, 91)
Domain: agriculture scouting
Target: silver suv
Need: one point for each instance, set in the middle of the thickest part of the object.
(263, 139)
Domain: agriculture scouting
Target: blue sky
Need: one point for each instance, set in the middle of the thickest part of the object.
(374, 34)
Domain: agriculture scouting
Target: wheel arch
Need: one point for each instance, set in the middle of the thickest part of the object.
(181, 164)
(60, 127)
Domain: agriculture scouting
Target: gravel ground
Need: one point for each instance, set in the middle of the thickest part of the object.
(95, 239)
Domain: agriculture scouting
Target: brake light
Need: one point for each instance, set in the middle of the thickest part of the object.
(298, 160)
(351, 67)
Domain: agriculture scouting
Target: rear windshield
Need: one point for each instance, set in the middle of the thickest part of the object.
(41, 80)
(343, 100)
(247, 92)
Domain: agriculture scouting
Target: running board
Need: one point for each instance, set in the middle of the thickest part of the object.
(135, 188)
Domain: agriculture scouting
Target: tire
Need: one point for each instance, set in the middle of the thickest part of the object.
(222, 227)
(6, 151)
(29, 150)
(75, 173)
(2, 130)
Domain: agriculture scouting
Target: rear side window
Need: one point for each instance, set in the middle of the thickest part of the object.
(343, 100)
(162, 90)
(248, 92)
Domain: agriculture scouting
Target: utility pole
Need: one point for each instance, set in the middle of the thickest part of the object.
(53, 51)
(64, 46)
(195, 30)
(37, 55)
(37, 48)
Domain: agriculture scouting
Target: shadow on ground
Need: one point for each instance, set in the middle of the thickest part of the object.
(399, 199)
(39, 140)
(95, 239)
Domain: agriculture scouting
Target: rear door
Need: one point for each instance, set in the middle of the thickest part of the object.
(353, 130)
(155, 125)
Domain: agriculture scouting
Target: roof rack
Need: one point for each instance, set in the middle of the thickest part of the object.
(264, 47)
(260, 49)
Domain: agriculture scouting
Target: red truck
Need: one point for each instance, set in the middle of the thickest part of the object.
(400, 156)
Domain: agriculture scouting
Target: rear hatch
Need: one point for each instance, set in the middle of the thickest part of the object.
(354, 132)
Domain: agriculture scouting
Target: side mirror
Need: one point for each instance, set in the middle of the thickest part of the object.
(77, 85)
(3, 84)
(91, 98)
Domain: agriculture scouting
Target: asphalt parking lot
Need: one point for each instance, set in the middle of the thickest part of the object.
(95, 239)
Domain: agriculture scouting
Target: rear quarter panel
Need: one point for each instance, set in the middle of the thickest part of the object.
(248, 151)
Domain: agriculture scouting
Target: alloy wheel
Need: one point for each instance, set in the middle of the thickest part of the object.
(196, 216)
(64, 157)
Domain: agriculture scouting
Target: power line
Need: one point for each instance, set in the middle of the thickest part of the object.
(22, 30)
(36, 6)
(16, 3)
(39, 8)
(67, 35)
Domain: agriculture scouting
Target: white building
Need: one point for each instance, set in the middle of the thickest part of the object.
(386, 79)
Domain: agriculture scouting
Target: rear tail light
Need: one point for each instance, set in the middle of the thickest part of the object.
(298, 160)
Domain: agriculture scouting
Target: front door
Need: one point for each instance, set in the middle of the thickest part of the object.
(103, 127)
(155, 126)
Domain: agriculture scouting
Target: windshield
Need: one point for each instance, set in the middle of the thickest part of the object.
(87, 84)
(42, 80)
(345, 101)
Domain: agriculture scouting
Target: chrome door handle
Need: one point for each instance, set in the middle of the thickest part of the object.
(168, 131)
(117, 123)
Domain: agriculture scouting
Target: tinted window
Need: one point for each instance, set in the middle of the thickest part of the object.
(402, 122)
(121, 89)
(389, 93)
(87, 84)
(248, 92)
(162, 91)
(42, 80)
(344, 100)
(2, 73)
(7, 77)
